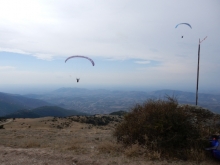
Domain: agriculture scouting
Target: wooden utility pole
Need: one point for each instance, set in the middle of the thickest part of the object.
(197, 84)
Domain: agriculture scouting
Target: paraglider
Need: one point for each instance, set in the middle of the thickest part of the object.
(78, 56)
(184, 24)
(81, 57)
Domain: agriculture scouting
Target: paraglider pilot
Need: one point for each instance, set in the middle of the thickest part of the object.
(77, 79)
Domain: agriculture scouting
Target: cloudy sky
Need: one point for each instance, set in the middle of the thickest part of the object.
(134, 43)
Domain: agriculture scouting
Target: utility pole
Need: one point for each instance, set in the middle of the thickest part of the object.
(197, 84)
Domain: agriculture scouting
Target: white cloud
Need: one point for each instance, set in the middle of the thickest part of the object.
(6, 68)
(111, 29)
(12, 50)
(115, 59)
(41, 56)
(47, 57)
(143, 62)
(24, 12)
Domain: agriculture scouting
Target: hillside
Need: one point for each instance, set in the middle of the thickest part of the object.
(44, 111)
(22, 114)
(10, 103)
(7, 108)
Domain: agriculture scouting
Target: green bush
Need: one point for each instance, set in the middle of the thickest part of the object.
(161, 126)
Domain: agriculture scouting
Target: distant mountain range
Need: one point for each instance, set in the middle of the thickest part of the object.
(101, 101)
(78, 101)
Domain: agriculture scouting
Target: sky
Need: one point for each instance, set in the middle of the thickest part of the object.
(134, 44)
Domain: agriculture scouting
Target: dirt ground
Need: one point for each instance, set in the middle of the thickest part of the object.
(61, 141)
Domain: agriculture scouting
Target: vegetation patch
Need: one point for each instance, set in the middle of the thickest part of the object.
(167, 129)
(97, 120)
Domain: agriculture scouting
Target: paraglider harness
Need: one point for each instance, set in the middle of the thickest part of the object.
(77, 80)
(214, 148)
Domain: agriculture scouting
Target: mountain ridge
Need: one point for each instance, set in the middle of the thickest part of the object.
(100, 101)
(44, 111)
(94, 101)
(10, 103)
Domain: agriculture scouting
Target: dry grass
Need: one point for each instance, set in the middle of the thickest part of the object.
(78, 143)
(133, 151)
(110, 147)
(197, 155)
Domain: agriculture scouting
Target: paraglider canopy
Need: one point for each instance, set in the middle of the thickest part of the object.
(81, 57)
(184, 24)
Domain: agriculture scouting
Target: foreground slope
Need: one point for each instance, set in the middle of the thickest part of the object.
(53, 140)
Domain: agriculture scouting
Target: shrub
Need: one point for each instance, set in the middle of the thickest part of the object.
(161, 126)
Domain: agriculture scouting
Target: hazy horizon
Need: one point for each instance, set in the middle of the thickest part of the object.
(134, 44)
(36, 89)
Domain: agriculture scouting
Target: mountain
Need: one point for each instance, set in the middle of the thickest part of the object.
(10, 103)
(43, 112)
(98, 101)
(55, 111)
(101, 101)
(24, 113)
(209, 101)
(7, 108)
(119, 113)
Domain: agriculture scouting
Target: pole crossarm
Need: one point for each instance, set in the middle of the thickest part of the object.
(202, 40)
